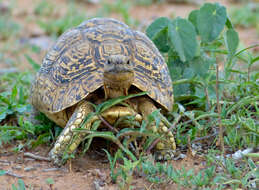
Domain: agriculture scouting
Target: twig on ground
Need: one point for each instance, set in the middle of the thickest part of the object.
(5, 161)
(13, 174)
(54, 169)
(205, 137)
(36, 157)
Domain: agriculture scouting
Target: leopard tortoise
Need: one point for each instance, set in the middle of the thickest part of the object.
(101, 58)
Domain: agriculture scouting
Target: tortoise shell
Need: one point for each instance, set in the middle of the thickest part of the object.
(73, 67)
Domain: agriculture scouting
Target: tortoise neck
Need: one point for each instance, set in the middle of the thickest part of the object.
(117, 84)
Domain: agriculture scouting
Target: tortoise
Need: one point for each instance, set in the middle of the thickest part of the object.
(100, 59)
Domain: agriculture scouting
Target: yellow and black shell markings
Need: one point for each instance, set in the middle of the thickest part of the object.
(151, 71)
(73, 67)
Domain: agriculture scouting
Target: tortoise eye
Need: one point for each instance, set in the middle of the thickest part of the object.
(109, 62)
(128, 62)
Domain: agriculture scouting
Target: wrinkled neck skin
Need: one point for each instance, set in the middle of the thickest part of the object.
(117, 83)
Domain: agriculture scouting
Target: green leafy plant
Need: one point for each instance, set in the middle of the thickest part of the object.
(8, 27)
(125, 170)
(21, 185)
(189, 58)
(16, 110)
(44, 8)
(15, 100)
(120, 7)
(245, 16)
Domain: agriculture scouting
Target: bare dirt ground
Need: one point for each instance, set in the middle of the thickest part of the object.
(84, 172)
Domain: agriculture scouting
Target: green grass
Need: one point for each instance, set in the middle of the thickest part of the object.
(56, 26)
(8, 27)
(246, 15)
(119, 7)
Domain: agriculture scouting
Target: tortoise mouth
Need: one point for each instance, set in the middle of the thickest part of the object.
(118, 77)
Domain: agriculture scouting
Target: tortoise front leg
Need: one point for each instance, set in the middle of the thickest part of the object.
(63, 142)
(167, 144)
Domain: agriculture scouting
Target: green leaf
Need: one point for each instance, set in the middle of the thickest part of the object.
(14, 94)
(232, 41)
(157, 26)
(107, 104)
(33, 63)
(50, 181)
(182, 36)
(2, 172)
(211, 21)
(229, 23)
(3, 115)
(157, 32)
(21, 185)
(255, 60)
(94, 127)
(161, 40)
(193, 17)
(134, 132)
(200, 66)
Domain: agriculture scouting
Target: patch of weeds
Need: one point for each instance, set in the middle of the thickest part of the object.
(159, 173)
(2, 172)
(218, 174)
(15, 108)
(143, 2)
(21, 185)
(8, 27)
(193, 64)
(234, 173)
(120, 7)
(58, 26)
(44, 8)
(50, 182)
(112, 135)
(14, 98)
(245, 16)
(125, 170)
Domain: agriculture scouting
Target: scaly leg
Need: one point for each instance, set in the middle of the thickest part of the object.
(167, 144)
(63, 143)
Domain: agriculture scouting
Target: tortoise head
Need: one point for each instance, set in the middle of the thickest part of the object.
(118, 64)
(118, 75)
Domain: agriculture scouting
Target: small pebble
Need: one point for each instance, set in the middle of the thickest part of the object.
(17, 167)
(27, 169)
(97, 185)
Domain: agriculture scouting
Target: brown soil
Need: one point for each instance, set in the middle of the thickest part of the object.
(80, 174)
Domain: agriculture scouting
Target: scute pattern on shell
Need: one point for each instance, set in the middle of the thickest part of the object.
(73, 67)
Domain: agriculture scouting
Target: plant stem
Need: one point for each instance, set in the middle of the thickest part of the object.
(207, 97)
(108, 124)
(221, 140)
